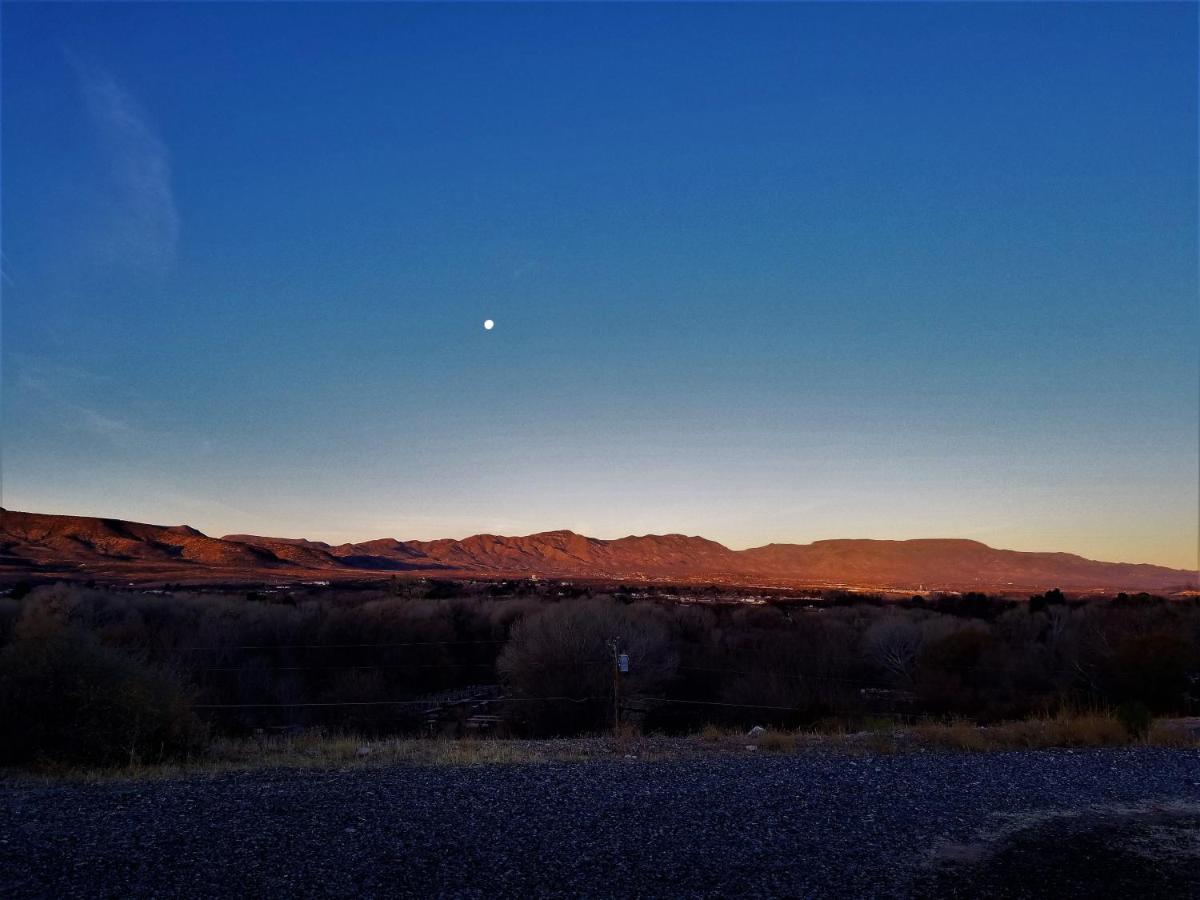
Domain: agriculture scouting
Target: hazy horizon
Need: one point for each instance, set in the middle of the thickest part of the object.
(759, 273)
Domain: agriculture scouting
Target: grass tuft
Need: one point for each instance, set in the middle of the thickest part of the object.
(773, 741)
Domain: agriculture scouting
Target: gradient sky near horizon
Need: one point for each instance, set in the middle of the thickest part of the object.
(759, 272)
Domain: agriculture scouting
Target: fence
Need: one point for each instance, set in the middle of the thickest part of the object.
(474, 708)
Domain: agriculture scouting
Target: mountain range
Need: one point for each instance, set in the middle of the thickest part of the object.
(108, 550)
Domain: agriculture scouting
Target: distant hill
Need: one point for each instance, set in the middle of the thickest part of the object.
(71, 541)
(958, 563)
(113, 549)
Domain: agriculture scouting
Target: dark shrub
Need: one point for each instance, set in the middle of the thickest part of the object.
(563, 653)
(1153, 669)
(67, 700)
(948, 679)
(1135, 718)
(444, 590)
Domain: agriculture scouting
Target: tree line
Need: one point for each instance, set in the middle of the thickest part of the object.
(105, 675)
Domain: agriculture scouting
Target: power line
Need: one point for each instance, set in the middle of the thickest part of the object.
(431, 704)
(786, 676)
(843, 657)
(342, 646)
(459, 665)
(718, 703)
(271, 669)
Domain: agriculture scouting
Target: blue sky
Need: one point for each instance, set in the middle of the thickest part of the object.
(759, 272)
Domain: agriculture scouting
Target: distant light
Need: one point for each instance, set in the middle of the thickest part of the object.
(488, 324)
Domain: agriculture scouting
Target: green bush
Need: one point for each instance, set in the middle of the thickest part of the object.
(65, 700)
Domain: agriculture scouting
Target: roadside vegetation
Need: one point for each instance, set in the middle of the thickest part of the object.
(93, 678)
(316, 750)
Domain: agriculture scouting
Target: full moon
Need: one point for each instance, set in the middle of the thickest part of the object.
(488, 324)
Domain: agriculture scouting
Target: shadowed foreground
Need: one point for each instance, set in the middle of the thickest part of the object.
(814, 824)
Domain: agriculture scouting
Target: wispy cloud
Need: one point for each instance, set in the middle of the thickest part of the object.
(56, 390)
(97, 424)
(142, 224)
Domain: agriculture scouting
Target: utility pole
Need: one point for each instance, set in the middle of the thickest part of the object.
(620, 667)
(616, 687)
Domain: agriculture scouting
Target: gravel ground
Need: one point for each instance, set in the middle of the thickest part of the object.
(814, 824)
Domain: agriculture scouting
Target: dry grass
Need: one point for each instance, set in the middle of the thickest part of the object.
(628, 731)
(1091, 729)
(957, 735)
(1169, 734)
(777, 741)
(318, 751)
(884, 735)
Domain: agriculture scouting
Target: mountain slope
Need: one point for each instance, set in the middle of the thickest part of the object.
(78, 546)
(567, 553)
(952, 562)
(384, 553)
(75, 540)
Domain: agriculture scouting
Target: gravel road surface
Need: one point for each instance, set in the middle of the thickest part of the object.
(809, 825)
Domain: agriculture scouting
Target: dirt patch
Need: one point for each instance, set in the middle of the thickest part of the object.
(1113, 851)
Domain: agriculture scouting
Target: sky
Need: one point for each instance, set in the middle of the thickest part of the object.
(765, 273)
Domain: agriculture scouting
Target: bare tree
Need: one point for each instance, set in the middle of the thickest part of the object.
(894, 644)
(564, 652)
